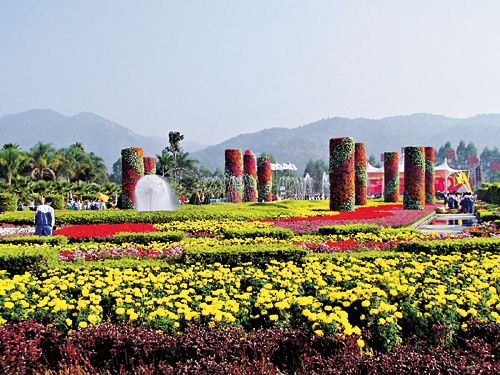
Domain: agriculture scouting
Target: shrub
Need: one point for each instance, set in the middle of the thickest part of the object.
(145, 238)
(443, 247)
(259, 256)
(279, 233)
(349, 229)
(25, 259)
(485, 215)
(8, 202)
(39, 240)
(57, 201)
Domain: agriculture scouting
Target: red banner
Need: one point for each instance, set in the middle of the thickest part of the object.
(472, 160)
(494, 166)
(450, 154)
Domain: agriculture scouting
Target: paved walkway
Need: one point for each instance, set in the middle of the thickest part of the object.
(448, 223)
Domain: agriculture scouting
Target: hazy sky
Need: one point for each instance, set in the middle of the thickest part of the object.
(213, 69)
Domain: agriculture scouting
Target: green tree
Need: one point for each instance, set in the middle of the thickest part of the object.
(374, 162)
(11, 161)
(40, 158)
(174, 140)
(462, 154)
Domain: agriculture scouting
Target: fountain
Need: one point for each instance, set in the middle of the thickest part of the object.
(154, 194)
(325, 185)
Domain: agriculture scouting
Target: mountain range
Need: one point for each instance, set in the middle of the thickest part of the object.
(97, 134)
(311, 141)
(106, 138)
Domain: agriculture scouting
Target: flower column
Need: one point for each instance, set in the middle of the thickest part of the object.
(342, 186)
(265, 178)
(132, 171)
(149, 165)
(234, 176)
(414, 192)
(391, 176)
(249, 177)
(360, 173)
(430, 190)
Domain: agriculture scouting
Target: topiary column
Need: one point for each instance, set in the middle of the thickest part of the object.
(249, 177)
(149, 165)
(360, 184)
(391, 176)
(234, 176)
(132, 171)
(342, 186)
(265, 178)
(430, 176)
(414, 184)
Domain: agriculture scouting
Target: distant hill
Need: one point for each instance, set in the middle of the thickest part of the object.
(103, 137)
(310, 141)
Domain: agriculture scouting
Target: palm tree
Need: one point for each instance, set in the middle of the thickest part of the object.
(95, 170)
(11, 161)
(185, 164)
(75, 162)
(40, 158)
(165, 162)
(174, 139)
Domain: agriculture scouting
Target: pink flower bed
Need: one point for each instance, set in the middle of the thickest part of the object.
(118, 253)
(389, 215)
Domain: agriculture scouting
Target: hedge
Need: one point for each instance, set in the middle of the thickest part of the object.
(8, 202)
(485, 215)
(39, 240)
(349, 229)
(57, 201)
(489, 192)
(235, 256)
(17, 261)
(144, 237)
(279, 233)
(444, 247)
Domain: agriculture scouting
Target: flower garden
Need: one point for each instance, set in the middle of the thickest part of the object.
(284, 287)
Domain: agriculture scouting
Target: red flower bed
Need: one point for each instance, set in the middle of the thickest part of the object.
(102, 230)
(383, 215)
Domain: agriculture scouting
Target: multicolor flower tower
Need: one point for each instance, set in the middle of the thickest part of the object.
(361, 187)
(414, 184)
(265, 178)
(391, 176)
(249, 177)
(149, 165)
(342, 185)
(430, 190)
(234, 176)
(132, 171)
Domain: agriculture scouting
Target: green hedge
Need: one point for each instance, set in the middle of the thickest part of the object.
(57, 201)
(489, 192)
(8, 202)
(259, 256)
(444, 247)
(279, 233)
(349, 229)
(485, 215)
(40, 240)
(145, 238)
(26, 259)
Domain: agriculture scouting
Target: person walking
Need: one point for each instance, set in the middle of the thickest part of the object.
(45, 219)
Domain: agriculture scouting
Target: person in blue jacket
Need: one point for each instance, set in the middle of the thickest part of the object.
(45, 219)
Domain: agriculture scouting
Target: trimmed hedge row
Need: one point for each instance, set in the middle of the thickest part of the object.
(279, 233)
(26, 259)
(489, 192)
(349, 229)
(32, 240)
(443, 247)
(485, 215)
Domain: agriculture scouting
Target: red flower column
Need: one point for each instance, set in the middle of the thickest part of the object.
(234, 176)
(430, 176)
(360, 174)
(391, 176)
(132, 171)
(249, 177)
(265, 178)
(414, 193)
(342, 186)
(149, 165)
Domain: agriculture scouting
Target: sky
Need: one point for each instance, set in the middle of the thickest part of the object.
(215, 69)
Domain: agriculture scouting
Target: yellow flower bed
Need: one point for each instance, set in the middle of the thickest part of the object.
(340, 296)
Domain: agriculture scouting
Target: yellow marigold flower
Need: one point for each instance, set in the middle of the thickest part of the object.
(8, 304)
(68, 322)
(273, 317)
(365, 303)
(319, 332)
(120, 311)
(83, 324)
(361, 343)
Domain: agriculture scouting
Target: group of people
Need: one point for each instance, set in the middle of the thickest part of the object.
(462, 201)
(85, 205)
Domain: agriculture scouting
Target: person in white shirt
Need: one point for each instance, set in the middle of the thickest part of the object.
(45, 219)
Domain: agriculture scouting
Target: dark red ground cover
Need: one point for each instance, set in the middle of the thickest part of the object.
(30, 347)
(384, 215)
(102, 230)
